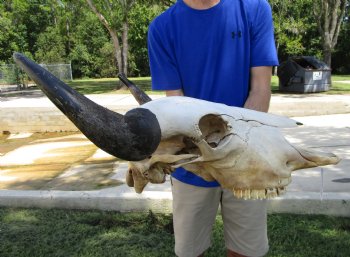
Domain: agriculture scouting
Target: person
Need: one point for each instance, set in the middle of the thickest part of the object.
(221, 51)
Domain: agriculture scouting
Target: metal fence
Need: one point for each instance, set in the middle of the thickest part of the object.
(13, 78)
(60, 70)
(8, 74)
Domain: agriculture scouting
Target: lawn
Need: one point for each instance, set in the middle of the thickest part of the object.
(107, 85)
(337, 86)
(98, 86)
(112, 86)
(36, 232)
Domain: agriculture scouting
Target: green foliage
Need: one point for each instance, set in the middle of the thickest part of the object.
(341, 56)
(140, 17)
(68, 31)
(113, 10)
(295, 29)
(50, 47)
(106, 63)
(91, 51)
(12, 36)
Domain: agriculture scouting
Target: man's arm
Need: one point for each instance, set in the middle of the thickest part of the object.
(178, 92)
(260, 89)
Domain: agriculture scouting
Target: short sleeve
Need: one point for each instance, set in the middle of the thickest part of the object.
(164, 71)
(263, 48)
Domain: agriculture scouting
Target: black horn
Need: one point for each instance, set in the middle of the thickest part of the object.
(140, 96)
(133, 136)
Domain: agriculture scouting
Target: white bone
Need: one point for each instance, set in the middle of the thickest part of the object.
(242, 149)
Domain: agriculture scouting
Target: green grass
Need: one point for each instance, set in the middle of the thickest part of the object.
(112, 86)
(36, 232)
(340, 77)
(108, 85)
(337, 87)
(99, 86)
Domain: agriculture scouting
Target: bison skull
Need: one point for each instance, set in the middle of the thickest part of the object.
(242, 149)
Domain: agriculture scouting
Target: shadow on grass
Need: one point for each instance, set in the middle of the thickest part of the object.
(77, 233)
(34, 232)
(301, 235)
(94, 86)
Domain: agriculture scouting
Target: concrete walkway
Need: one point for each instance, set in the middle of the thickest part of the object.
(324, 190)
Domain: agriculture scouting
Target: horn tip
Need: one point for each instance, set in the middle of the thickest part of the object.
(17, 55)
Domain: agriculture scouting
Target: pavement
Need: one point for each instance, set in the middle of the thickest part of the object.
(321, 190)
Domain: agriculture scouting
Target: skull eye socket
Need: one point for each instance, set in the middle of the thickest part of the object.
(213, 129)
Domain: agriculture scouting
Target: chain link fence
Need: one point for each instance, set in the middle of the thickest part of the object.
(9, 77)
(13, 78)
(60, 70)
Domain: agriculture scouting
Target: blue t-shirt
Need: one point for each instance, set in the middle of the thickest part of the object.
(208, 53)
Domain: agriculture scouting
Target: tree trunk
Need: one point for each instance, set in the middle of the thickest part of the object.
(117, 50)
(329, 15)
(125, 48)
(113, 33)
(327, 55)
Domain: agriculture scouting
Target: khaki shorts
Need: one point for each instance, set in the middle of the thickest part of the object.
(195, 209)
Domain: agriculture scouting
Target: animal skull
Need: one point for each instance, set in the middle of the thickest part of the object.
(242, 149)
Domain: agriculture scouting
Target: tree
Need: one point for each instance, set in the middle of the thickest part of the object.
(91, 48)
(341, 54)
(290, 26)
(13, 36)
(329, 15)
(294, 25)
(50, 46)
(140, 17)
(114, 14)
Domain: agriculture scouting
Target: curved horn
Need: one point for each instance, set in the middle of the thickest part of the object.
(132, 137)
(140, 96)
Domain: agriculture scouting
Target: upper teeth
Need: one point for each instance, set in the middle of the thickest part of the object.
(258, 194)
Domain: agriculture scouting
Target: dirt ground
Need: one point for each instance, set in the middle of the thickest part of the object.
(54, 161)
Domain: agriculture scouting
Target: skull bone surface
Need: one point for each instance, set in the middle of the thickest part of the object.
(243, 150)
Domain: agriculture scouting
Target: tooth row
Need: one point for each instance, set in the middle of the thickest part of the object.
(267, 193)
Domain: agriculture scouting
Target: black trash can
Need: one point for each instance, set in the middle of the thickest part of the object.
(304, 74)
